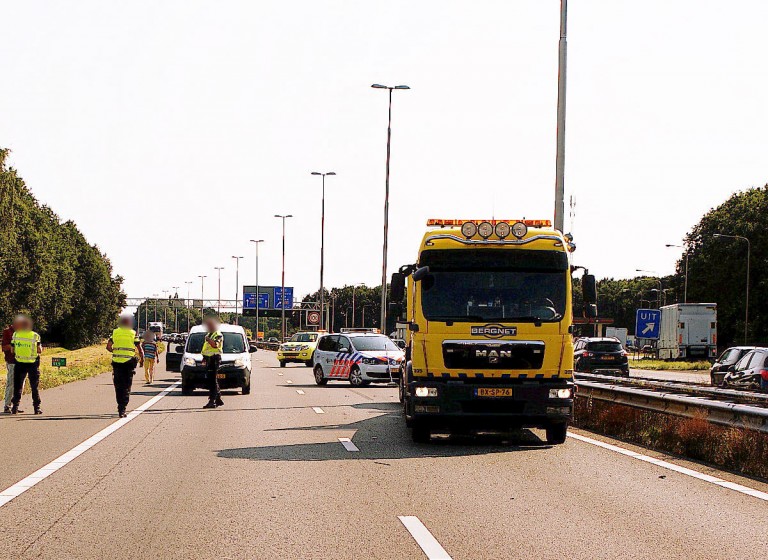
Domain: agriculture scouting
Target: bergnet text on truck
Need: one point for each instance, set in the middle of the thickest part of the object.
(489, 327)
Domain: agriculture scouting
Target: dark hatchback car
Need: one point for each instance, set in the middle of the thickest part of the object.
(751, 372)
(600, 355)
(727, 362)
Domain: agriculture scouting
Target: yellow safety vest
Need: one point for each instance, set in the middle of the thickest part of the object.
(123, 344)
(25, 346)
(209, 350)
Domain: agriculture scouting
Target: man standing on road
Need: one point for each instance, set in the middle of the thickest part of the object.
(124, 344)
(27, 348)
(9, 362)
(214, 341)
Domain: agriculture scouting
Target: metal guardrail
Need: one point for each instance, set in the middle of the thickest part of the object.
(738, 415)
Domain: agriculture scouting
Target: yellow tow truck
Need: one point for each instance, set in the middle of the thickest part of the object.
(489, 328)
(299, 349)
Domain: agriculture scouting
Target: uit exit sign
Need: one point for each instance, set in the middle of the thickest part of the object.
(59, 362)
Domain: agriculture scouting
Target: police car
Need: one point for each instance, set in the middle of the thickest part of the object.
(360, 356)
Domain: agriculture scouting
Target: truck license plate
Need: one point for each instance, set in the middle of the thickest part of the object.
(493, 392)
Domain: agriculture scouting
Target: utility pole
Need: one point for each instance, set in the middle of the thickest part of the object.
(218, 308)
(256, 245)
(189, 303)
(202, 295)
(176, 309)
(237, 286)
(322, 246)
(560, 158)
(282, 291)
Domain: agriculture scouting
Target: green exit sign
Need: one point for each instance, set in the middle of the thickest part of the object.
(59, 362)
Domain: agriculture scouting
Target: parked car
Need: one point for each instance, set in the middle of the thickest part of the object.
(359, 356)
(726, 362)
(751, 372)
(600, 355)
(235, 368)
(299, 349)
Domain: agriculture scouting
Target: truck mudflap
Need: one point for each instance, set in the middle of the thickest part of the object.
(460, 404)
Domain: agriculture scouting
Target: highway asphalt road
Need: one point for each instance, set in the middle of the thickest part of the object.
(271, 476)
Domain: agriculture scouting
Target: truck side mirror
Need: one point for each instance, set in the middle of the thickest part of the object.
(589, 288)
(397, 286)
(420, 273)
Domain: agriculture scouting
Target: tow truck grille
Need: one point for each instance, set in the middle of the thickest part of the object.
(508, 355)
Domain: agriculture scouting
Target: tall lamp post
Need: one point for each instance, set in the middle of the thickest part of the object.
(746, 301)
(175, 309)
(386, 208)
(322, 246)
(155, 297)
(189, 304)
(202, 295)
(283, 217)
(256, 245)
(237, 286)
(560, 157)
(218, 307)
(685, 288)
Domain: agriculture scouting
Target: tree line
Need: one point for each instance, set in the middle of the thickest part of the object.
(50, 271)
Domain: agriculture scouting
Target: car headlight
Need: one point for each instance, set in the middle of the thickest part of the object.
(560, 393)
(189, 361)
(239, 362)
(370, 361)
(426, 391)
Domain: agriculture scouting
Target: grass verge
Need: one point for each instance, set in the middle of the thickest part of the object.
(702, 365)
(81, 364)
(733, 449)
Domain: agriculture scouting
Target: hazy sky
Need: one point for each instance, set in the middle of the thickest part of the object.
(173, 131)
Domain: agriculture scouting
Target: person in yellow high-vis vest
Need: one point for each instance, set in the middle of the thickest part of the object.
(212, 348)
(124, 345)
(26, 353)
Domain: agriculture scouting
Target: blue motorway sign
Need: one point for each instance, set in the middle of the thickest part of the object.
(648, 323)
(249, 301)
(279, 297)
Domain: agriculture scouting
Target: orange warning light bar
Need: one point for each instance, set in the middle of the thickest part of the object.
(529, 223)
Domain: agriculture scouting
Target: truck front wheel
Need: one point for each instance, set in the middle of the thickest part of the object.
(556, 433)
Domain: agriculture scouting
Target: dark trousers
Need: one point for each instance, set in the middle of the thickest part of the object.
(122, 377)
(20, 373)
(212, 365)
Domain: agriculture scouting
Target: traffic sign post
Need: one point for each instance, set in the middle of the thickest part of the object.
(648, 323)
(59, 363)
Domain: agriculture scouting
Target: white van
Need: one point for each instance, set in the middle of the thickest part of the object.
(235, 368)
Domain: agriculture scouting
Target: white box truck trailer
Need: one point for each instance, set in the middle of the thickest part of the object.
(688, 331)
(620, 333)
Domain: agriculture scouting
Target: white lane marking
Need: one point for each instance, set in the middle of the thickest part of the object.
(299, 391)
(424, 538)
(44, 472)
(318, 410)
(348, 445)
(279, 374)
(677, 468)
(289, 381)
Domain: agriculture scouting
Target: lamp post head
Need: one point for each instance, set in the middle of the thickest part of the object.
(402, 87)
(379, 86)
(257, 241)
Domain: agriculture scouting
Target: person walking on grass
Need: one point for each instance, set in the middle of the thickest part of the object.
(124, 344)
(150, 356)
(27, 348)
(10, 362)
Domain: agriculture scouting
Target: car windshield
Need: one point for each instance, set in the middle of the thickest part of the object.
(604, 346)
(373, 344)
(304, 337)
(233, 343)
(493, 285)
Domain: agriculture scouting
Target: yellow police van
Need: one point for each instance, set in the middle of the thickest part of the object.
(299, 349)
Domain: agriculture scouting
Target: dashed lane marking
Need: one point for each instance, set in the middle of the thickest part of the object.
(318, 410)
(289, 382)
(44, 472)
(432, 549)
(348, 445)
(677, 468)
(299, 391)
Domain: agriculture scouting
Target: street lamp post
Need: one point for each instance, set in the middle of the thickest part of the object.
(560, 157)
(283, 217)
(189, 304)
(218, 307)
(237, 286)
(322, 246)
(386, 208)
(176, 309)
(256, 245)
(155, 296)
(746, 301)
(202, 295)
(685, 288)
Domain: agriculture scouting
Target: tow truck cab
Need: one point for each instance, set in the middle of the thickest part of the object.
(489, 328)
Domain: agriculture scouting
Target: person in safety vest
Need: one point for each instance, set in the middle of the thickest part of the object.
(124, 344)
(26, 348)
(212, 347)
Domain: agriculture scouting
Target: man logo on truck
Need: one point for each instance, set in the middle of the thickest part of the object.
(493, 355)
(493, 331)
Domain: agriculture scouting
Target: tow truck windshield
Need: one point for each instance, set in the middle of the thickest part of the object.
(492, 285)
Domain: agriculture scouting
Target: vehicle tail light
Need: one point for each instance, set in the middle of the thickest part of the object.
(714, 339)
(680, 339)
(764, 374)
(588, 354)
